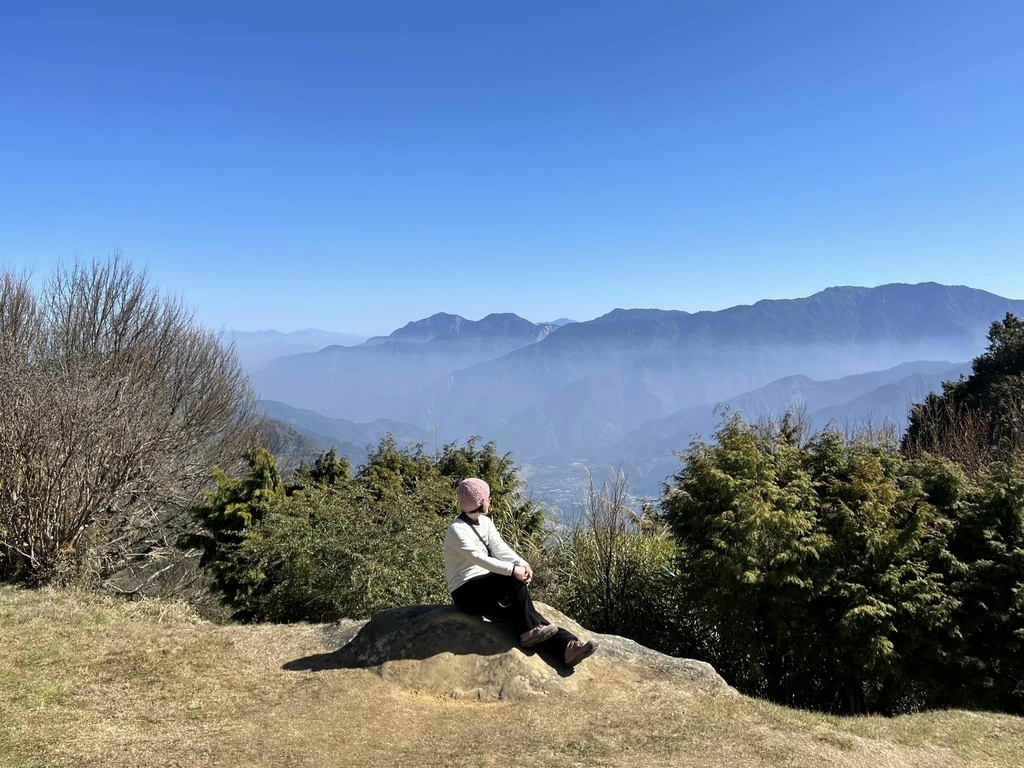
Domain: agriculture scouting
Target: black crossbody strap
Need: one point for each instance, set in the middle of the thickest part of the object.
(474, 529)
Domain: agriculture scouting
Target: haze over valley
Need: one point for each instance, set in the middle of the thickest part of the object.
(630, 388)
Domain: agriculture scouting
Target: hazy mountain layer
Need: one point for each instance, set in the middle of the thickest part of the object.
(648, 453)
(852, 402)
(601, 379)
(350, 438)
(634, 385)
(376, 378)
(257, 349)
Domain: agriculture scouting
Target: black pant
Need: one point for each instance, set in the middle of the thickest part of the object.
(506, 597)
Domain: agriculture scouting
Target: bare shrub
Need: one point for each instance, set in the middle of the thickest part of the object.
(868, 430)
(114, 404)
(792, 427)
(978, 420)
(616, 563)
(965, 434)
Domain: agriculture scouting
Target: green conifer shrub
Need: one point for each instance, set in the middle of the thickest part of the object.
(330, 544)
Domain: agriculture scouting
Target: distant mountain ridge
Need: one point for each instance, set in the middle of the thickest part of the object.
(257, 349)
(623, 384)
(658, 361)
(376, 378)
(350, 438)
(648, 453)
(851, 402)
(445, 326)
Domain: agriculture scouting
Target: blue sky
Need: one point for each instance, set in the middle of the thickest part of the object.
(354, 166)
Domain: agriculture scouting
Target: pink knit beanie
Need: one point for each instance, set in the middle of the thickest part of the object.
(473, 492)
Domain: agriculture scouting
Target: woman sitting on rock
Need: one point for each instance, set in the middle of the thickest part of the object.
(486, 576)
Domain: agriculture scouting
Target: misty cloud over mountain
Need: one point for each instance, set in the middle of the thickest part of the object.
(633, 366)
(633, 385)
(257, 349)
(378, 377)
(350, 438)
(647, 453)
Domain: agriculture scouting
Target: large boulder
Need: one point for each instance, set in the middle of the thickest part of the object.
(443, 651)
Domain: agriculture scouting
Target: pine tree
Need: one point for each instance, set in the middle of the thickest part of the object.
(743, 513)
(980, 418)
(227, 515)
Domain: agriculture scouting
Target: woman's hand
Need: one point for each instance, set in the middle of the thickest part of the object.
(523, 572)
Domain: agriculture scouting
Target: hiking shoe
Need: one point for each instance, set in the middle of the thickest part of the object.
(576, 652)
(537, 635)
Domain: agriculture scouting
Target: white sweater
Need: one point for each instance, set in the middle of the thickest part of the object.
(465, 556)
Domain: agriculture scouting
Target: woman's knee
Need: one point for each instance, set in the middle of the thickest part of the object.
(515, 584)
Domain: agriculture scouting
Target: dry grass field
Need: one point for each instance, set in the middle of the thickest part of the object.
(89, 682)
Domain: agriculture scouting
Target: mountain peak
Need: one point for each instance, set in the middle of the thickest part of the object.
(445, 326)
(439, 324)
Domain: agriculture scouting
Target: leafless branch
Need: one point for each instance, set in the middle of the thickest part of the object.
(114, 403)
